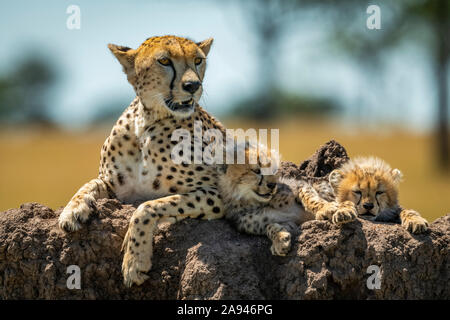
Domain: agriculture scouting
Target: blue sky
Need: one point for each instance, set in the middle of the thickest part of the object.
(91, 75)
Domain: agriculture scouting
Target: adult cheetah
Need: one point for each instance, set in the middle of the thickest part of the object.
(136, 164)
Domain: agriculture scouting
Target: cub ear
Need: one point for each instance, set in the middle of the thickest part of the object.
(205, 45)
(397, 176)
(126, 57)
(222, 168)
(335, 178)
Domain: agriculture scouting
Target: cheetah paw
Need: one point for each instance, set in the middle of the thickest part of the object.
(327, 212)
(76, 212)
(132, 273)
(416, 225)
(134, 265)
(282, 244)
(344, 215)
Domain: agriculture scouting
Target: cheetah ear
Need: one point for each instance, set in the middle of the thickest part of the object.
(126, 58)
(205, 45)
(335, 178)
(397, 176)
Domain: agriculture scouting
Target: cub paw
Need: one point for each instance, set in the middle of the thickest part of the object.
(415, 224)
(75, 213)
(282, 244)
(344, 214)
(326, 213)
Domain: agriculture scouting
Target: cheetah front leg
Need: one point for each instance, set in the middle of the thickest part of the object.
(281, 239)
(204, 203)
(82, 205)
(413, 221)
(337, 212)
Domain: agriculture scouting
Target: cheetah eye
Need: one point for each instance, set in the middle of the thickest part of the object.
(357, 192)
(197, 61)
(164, 61)
(257, 171)
(379, 192)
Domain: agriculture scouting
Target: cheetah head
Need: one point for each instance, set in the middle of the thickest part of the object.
(166, 72)
(370, 183)
(247, 183)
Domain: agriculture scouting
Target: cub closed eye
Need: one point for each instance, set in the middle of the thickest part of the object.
(164, 61)
(197, 61)
(357, 192)
(379, 192)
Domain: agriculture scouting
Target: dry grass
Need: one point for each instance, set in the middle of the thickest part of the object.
(48, 167)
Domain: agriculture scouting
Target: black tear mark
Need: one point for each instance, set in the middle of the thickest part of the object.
(173, 78)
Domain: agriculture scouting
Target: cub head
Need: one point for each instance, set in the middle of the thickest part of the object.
(166, 72)
(249, 183)
(370, 183)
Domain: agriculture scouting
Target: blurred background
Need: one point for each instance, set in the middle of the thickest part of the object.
(310, 68)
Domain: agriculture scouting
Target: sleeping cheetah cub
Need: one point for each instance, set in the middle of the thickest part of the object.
(373, 185)
(272, 206)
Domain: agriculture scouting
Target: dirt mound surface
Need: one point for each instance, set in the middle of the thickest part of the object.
(197, 259)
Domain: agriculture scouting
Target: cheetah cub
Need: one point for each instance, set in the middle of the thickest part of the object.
(372, 185)
(261, 204)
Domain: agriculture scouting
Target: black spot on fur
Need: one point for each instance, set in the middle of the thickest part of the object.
(200, 216)
(120, 178)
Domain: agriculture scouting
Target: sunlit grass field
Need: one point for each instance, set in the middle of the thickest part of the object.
(49, 166)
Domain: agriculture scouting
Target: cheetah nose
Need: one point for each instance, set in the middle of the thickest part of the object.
(191, 86)
(271, 185)
(368, 205)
